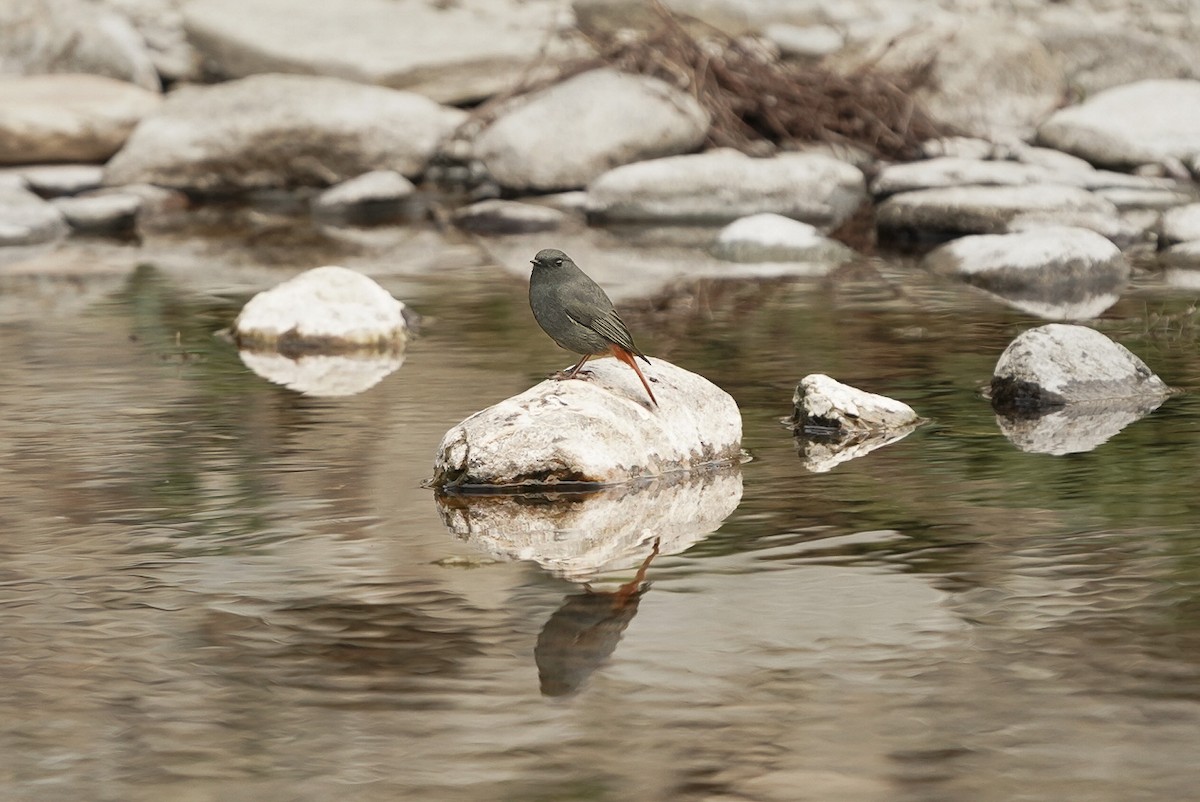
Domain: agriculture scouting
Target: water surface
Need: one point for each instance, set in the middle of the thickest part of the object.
(212, 587)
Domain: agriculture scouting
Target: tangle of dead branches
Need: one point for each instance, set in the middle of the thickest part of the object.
(757, 101)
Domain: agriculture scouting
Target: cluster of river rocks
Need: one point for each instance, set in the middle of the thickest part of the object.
(364, 97)
(1077, 128)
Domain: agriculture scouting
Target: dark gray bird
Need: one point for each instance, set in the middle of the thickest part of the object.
(577, 314)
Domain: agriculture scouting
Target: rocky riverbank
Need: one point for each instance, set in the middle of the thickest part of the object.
(117, 110)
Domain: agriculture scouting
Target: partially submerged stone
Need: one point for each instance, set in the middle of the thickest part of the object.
(56, 180)
(496, 216)
(328, 310)
(824, 406)
(26, 219)
(1059, 273)
(374, 197)
(771, 237)
(599, 430)
(1059, 364)
(100, 213)
(985, 209)
(605, 530)
(1182, 224)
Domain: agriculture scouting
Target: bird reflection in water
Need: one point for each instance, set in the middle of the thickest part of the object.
(584, 631)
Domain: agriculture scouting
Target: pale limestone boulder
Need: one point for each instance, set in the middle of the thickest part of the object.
(281, 131)
(825, 406)
(565, 136)
(1098, 58)
(450, 52)
(1149, 122)
(987, 77)
(72, 36)
(1059, 364)
(598, 430)
(1058, 273)
(724, 184)
(68, 118)
(26, 219)
(328, 310)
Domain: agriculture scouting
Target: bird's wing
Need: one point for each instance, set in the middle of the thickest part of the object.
(612, 328)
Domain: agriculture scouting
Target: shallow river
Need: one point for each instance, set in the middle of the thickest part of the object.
(215, 588)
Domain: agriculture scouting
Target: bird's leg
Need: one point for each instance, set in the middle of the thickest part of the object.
(573, 372)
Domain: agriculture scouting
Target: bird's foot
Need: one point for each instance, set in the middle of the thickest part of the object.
(559, 375)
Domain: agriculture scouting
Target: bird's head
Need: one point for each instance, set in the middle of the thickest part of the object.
(550, 258)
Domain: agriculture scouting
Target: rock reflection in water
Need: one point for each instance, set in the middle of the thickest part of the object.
(324, 375)
(822, 454)
(584, 631)
(579, 535)
(1075, 428)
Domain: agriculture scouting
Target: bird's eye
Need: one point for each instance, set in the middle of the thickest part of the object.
(558, 262)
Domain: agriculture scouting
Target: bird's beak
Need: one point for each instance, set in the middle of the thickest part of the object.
(533, 261)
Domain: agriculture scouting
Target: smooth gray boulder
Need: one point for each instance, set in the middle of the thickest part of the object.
(598, 430)
(772, 237)
(565, 136)
(987, 77)
(99, 213)
(824, 406)
(1182, 224)
(1149, 122)
(56, 180)
(451, 52)
(495, 216)
(1184, 259)
(950, 171)
(723, 185)
(1056, 273)
(160, 23)
(988, 210)
(1059, 364)
(1029, 166)
(328, 310)
(72, 36)
(26, 219)
(375, 197)
(1096, 58)
(68, 118)
(272, 131)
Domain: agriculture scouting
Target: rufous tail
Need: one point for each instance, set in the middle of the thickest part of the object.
(626, 357)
